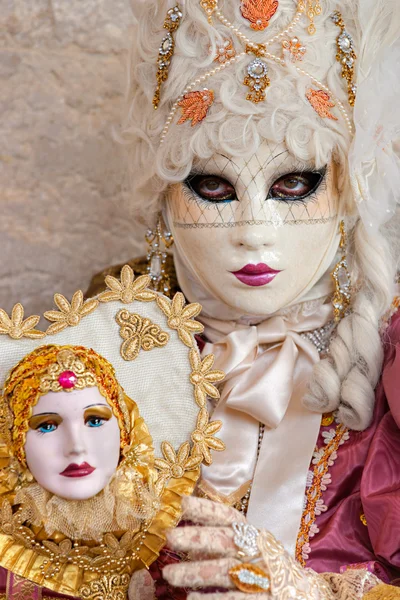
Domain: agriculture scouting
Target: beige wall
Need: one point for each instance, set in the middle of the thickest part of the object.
(64, 203)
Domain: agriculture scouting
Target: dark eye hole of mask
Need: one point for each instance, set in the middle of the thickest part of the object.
(290, 186)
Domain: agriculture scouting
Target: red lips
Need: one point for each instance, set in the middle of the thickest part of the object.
(256, 275)
(74, 470)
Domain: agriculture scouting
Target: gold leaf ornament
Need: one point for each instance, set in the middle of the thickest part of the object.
(139, 333)
(203, 377)
(181, 317)
(69, 314)
(16, 327)
(203, 437)
(127, 288)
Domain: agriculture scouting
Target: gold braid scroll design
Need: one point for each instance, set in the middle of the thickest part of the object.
(139, 333)
(314, 493)
(114, 587)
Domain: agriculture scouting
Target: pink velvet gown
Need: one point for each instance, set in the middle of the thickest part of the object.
(352, 514)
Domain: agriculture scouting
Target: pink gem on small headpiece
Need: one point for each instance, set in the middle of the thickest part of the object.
(67, 380)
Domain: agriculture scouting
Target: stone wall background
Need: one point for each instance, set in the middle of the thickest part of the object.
(64, 199)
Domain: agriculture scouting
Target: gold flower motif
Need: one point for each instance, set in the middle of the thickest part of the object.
(127, 289)
(64, 550)
(203, 437)
(176, 463)
(203, 377)
(11, 524)
(16, 327)
(112, 548)
(69, 315)
(180, 317)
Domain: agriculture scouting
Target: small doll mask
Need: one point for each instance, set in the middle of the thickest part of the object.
(99, 441)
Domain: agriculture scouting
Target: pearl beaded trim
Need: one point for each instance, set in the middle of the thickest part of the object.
(259, 50)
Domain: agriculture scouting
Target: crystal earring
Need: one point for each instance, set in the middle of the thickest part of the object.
(341, 277)
(159, 241)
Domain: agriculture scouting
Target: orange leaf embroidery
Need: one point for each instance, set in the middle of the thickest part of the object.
(195, 106)
(321, 103)
(259, 12)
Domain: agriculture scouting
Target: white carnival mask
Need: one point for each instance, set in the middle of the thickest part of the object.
(257, 233)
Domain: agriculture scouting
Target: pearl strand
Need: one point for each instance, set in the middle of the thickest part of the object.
(244, 504)
(193, 85)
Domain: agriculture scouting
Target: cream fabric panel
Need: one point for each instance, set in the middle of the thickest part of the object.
(64, 199)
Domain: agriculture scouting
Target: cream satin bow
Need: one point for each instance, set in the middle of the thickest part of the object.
(267, 368)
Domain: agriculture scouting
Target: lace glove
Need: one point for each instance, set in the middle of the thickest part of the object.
(212, 553)
(141, 586)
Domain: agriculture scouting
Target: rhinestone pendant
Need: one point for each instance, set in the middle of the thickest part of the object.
(246, 539)
(257, 80)
(250, 579)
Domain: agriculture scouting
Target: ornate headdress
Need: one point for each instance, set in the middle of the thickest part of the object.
(337, 61)
(133, 343)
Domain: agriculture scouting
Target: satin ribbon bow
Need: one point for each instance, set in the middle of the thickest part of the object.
(267, 368)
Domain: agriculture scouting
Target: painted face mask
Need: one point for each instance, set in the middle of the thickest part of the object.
(73, 444)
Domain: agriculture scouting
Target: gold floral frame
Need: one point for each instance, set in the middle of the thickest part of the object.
(60, 564)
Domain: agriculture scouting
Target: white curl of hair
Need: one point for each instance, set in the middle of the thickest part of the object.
(346, 380)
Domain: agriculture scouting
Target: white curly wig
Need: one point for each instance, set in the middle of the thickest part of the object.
(346, 380)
